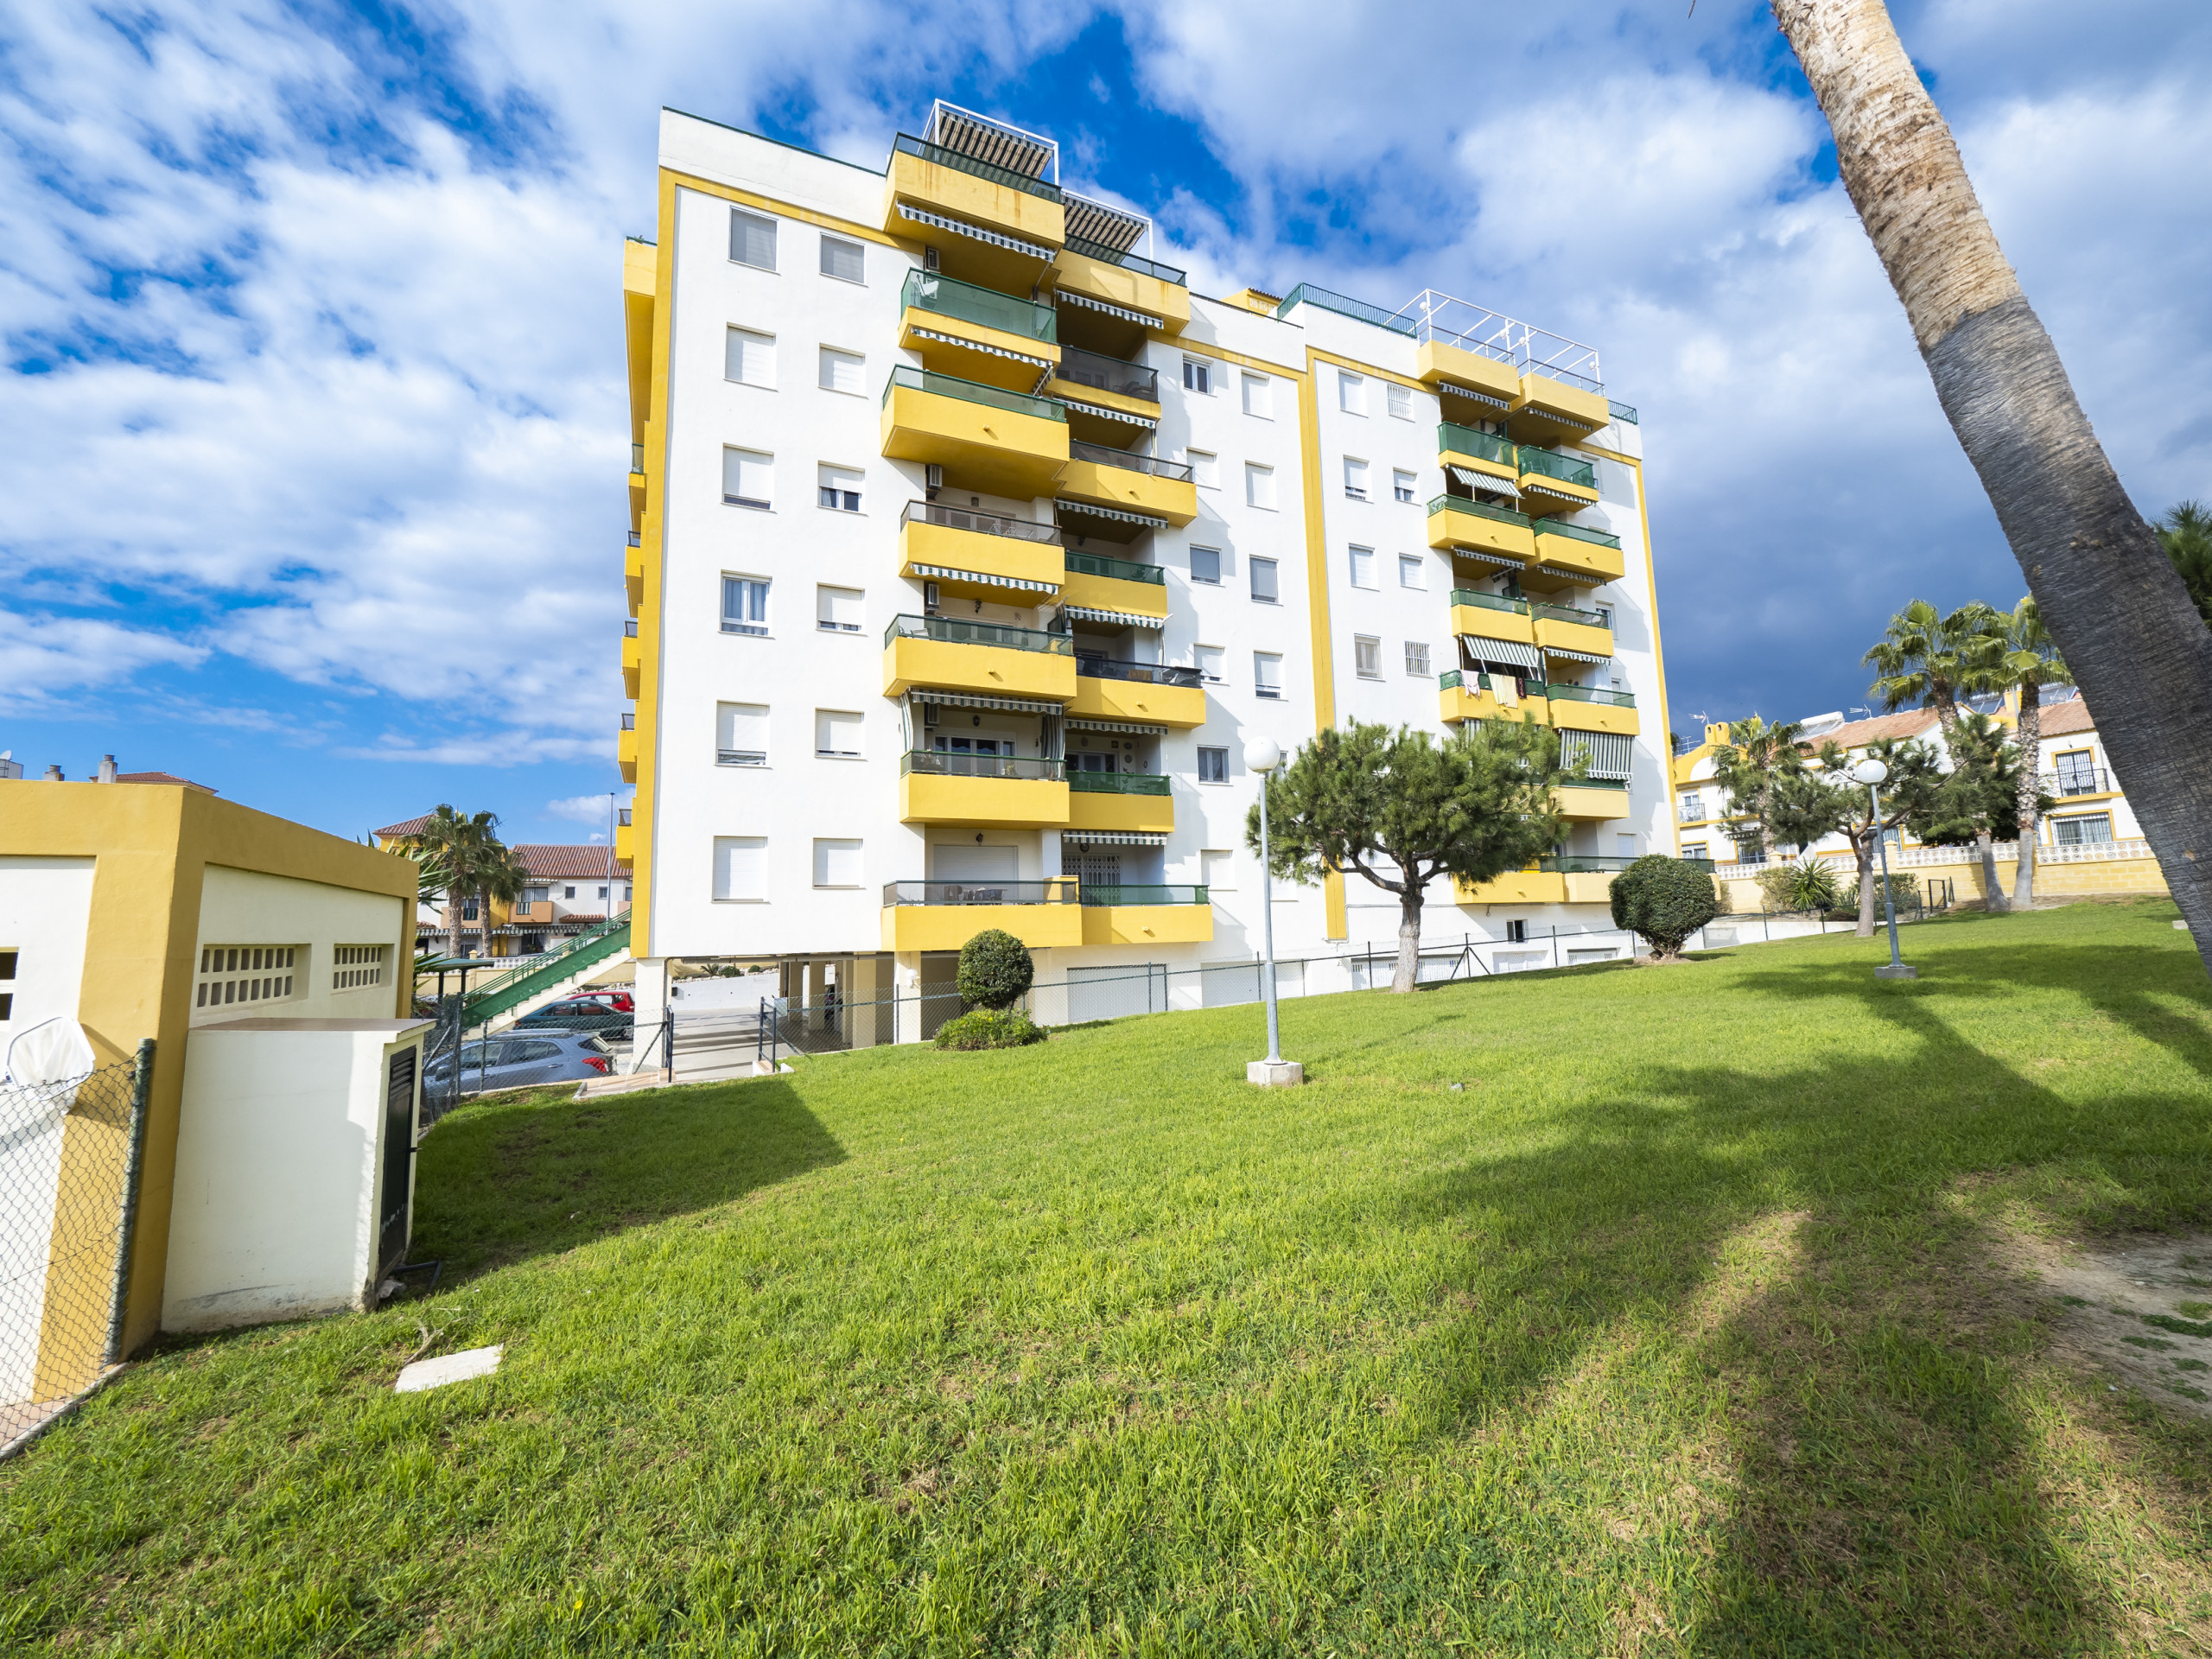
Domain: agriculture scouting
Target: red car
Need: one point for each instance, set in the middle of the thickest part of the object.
(616, 1002)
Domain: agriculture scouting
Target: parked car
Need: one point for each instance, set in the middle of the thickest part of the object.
(517, 1059)
(614, 998)
(579, 1013)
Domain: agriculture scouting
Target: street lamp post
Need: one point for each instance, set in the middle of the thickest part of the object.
(1273, 1072)
(1872, 773)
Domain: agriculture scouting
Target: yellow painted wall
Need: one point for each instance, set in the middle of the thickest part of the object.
(1440, 361)
(1099, 698)
(1090, 811)
(1571, 715)
(947, 927)
(990, 802)
(1148, 924)
(923, 543)
(1004, 450)
(994, 671)
(1570, 554)
(959, 195)
(1173, 499)
(1446, 525)
(1112, 594)
(1133, 290)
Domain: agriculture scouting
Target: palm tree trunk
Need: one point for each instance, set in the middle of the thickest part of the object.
(2024, 873)
(2108, 595)
(1865, 849)
(1993, 890)
(1408, 968)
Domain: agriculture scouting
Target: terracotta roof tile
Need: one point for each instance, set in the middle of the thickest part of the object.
(2062, 719)
(405, 827)
(1909, 722)
(586, 862)
(160, 777)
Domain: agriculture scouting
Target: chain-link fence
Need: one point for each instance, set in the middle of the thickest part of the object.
(69, 1157)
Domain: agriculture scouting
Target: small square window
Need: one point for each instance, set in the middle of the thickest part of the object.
(838, 489)
(842, 372)
(1213, 766)
(1258, 486)
(1264, 588)
(838, 610)
(1401, 484)
(1402, 403)
(567, 893)
(1516, 932)
(748, 478)
(1413, 571)
(744, 605)
(741, 869)
(1417, 658)
(1355, 478)
(1205, 471)
(1208, 659)
(836, 863)
(1367, 656)
(1198, 376)
(1351, 392)
(844, 260)
(749, 358)
(1259, 396)
(838, 734)
(751, 240)
(1206, 565)
(1266, 674)
(741, 737)
(1362, 566)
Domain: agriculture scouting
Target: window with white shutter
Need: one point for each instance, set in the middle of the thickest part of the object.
(836, 863)
(844, 260)
(748, 478)
(1266, 674)
(1264, 586)
(741, 869)
(838, 489)
(1367, 656)
(1362, 566)
(1259, 396)
(838, 734)
(1417, 658)
(1258, 486)
(741, 734)
(1401, 401)
(751, 240)
(1351, 392)
(749, 357)
(842, 372)
(838, 610)
(1413, 571)
(1355, 478)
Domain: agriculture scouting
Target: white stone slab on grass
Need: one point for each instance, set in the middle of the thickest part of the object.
(448, 1368)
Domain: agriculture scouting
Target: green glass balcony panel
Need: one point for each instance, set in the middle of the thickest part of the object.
(948, 386)
(1548, 463)
(1099, 893)
(1119, 783)
(1460, 503)
(1591, 694)
(1568, 614)
(1093, 565)
(1482, 446)
(1489, 601)
(1578, 532)
(930, 290)
(955, 631)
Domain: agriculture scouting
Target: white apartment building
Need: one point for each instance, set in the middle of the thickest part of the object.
(969, 550)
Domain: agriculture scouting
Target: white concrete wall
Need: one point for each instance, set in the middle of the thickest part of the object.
(46, 906)
(278, 1162)
(246, 907)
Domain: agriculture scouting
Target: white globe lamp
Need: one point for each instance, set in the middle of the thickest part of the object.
(1872, 773)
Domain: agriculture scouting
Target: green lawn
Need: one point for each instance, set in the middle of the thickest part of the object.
(1618, 1311)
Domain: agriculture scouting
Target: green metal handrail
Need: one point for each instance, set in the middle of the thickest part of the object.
(950, 385)
(957, 630)
(1107, 256)
(1489, 601)
(508, 990)
(995, 174)
(946, 762)
(1595, 783)
(1460, 503)
(1578, 532)
(1591, 694)
(1118, 783)
(1095, 564)
(1115, 893)
(1546, 463)
(1465, 441)
(930, 290)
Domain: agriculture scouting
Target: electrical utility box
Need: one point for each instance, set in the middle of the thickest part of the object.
(294, 1168)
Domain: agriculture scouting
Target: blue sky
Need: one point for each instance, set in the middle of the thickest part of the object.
(313, 428)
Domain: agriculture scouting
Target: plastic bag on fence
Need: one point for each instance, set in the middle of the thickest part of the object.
(45, 1065)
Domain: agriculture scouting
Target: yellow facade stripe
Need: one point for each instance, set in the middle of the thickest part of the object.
(1391, 375)
(788, 210)
(1223, 354)
(1658, 657)
(650, 605)
(1317, 605)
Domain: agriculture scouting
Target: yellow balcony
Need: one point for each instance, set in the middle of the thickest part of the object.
(1140, 922)
(992, 439)
(1153, 291)
(1589, 886)
(949, 185)
(626, 753)
(1591, 553)
(1550, 482)
(1590, 803)
(1454, 522)
(632, 661)
(625, 844)
(991, 792)
(1472, 696)
(983, 657)
(1138, 691)
(1559, 628)
(1546, 410)
(979, 555)
(1518, 887)
(945, 915)
(633, 572)
(1495, 384)
(1114, 478)
(1585, 709)
(1098, 583)
(976, 334)
(1120, 801)
(1491, 616)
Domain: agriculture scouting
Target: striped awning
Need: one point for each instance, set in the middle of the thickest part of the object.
(1491, 481)
(1575, 656)
(969, 700)
(946, 573)
(1509, 652)
(1095, 511)
(1130, 728)
(977, 346)
(1483, 555)
(1112, 414)
(1121, 618)
(1582, 576)
(1608, 752)
(1563, 419)
(1068, 295)
(1476, 396)
(961, 228)
(1537, 486)
(1112, 838)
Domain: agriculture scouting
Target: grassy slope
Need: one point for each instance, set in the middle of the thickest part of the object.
(1687, 1324)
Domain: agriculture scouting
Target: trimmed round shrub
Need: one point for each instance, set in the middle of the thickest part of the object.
(990, 1028)
(995, 970)
(1665, 900)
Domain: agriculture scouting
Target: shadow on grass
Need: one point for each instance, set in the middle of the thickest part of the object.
(1794, 1236)
(508, 1181)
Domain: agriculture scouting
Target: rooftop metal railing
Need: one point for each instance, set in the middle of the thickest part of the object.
(948, 386)
(930, 290)
(957, 630)
(1098, 453)
(983, 524)
(952, 158)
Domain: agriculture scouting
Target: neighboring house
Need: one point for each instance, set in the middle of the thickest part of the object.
(11, 770)
(571, 889)
(969, 550)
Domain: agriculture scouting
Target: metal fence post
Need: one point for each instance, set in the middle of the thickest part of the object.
(141, 1088)
(668, 1043)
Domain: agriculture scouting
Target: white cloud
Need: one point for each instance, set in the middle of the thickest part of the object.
(589, 808)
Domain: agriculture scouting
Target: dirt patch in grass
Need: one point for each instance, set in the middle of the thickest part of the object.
(2137, 1311)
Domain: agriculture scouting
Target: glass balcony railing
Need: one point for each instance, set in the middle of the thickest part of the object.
(1178, 470)
(1344, 305)
(1591, 694)
(1062, 892)
(983, 524)
(1568, 614)
(1100, 892)
(630, 629)
(637, 457)
(1572, 864)
(1105, 255)
(1547, 463)
(1449, 503)
(930, 290)
(1100, 668)
(1489, 601)
(1109, 374)
(908, 145)
(940, 763)
(954, 630)
(1578, 532)
(1482, 446)
(1118, 783)
(1093, 565)
(950, 385)
(629, 722)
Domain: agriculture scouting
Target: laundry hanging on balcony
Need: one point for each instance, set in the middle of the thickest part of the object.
(1475, 480)
(1111, 838)
(1506, 653)
(969, 700)
(961, 228)
(946, 573)
(1121, 618)
(1131, 729)
(1608, 752)
(1119, 513)
(1044, 363)
(1104, 413)
(1476, 396)
(1575, 656)
(1069, 296)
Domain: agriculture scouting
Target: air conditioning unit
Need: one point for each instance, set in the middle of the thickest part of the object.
(929, 599)
(930, 261)
(933, 479)
(929, 714)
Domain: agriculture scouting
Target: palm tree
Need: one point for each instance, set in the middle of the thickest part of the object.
(1748, 765)
(458, 844)
(2110, 596)
(2186, 534)
(497, 873)
(1927, 659)
(2022, 659)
